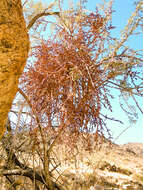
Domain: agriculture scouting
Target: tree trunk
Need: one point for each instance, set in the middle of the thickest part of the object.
(14, 46)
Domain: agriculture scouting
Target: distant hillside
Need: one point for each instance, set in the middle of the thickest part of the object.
(136, 148)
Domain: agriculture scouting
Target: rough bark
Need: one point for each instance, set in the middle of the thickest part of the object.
(14, 46)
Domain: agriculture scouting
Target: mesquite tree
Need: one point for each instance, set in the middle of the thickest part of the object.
(67, 81)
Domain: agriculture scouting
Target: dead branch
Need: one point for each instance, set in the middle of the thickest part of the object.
(35, 18)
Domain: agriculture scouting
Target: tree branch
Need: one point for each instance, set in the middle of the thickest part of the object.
(46, 151)
(35, 18)
(26, 173)
(24, 170)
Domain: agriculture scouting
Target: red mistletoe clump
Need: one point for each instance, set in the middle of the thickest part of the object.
(66, 84)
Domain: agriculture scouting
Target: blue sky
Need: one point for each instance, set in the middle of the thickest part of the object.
(134, 133)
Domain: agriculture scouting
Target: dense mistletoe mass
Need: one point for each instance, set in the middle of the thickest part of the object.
(69, 83)
(67, 80)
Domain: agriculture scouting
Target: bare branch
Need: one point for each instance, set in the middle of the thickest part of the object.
(137, 104)
(35, 18)
(26, 1)
(27, 173)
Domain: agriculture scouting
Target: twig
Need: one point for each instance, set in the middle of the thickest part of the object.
(137, 104)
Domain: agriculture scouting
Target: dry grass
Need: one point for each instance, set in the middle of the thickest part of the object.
(111, 166)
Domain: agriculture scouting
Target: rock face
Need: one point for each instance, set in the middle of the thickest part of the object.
(135, 148)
